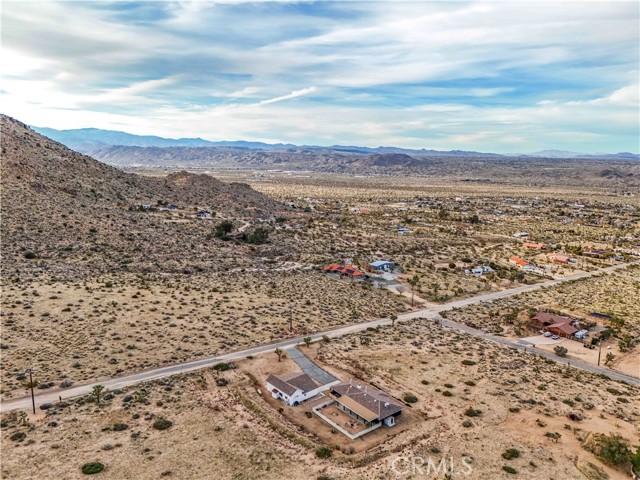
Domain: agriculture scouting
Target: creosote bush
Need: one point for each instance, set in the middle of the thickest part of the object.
(92, 468)
(162, 424)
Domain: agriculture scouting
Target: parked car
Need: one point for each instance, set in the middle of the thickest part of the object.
(555, 337)
(547, 334)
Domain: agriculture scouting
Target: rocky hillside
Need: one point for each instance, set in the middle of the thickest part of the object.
(64, 211)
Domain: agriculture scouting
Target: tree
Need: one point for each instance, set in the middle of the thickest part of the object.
(280, 353)
(223, 228)
(612, 449)
(96, 392)
(414, 282)
(560, 351)
(609, 358)
(307, 341)
(23, 418)
(258, 235)
(393, 318)
(635, 460)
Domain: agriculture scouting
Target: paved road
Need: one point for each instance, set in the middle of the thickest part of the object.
(310, 368)
(51, 396)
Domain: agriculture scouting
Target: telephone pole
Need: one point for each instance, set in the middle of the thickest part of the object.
(33, 398)
(291, 307)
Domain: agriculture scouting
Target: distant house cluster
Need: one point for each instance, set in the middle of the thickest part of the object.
(345, 270)
(560, 258)
(203, 214)
(479, 270)
(400, 230)
(526, 266)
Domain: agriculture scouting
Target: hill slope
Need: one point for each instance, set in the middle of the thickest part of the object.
(72, 211)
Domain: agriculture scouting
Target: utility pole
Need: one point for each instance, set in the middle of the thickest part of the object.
(291, 307)
(599, 350)
(33, 398)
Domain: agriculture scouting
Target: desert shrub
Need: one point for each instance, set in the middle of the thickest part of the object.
(560, 351)
(221, 382)
(470, 383)
(120, 426)
(509, 469)
(323, 452)
(510, 453)
(467, 424)
(258, 235)
(472, 412)
(30, 255)
(162, 424)
(447, 393)
(308, 414)
(410, 398)
(612, 449)
(92, 467)
(222, 367)
(468, 362)
(18, 436)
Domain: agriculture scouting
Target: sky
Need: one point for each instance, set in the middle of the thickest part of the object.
(506, 77)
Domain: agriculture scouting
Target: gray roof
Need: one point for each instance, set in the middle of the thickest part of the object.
(294, 381)
(377, 401)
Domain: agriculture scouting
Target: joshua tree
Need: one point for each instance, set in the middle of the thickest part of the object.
(609, 358)
(23, 418)
(96, 392)
(393, 318)
(280, 353)
(414, 282)
(307, 341)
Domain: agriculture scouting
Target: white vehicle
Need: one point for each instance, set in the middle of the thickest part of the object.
(547, 334)
(555, 337)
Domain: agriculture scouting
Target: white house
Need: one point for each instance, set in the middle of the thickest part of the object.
(293, 389)
(382, 266)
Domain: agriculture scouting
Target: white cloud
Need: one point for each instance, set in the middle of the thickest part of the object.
(294, 94)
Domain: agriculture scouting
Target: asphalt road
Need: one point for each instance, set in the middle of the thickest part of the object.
(52, 395)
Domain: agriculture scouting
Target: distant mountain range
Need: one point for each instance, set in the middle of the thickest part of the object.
(91, 140)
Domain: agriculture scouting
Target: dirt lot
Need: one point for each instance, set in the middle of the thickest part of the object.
(497, 399)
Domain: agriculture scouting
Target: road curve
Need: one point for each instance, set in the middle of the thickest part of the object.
(51, 396)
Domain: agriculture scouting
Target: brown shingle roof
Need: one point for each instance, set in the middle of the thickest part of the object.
(371, 399)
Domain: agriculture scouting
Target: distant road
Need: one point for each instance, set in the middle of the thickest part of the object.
(433, 312)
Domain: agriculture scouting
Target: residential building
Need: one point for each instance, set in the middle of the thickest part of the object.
(293, 389)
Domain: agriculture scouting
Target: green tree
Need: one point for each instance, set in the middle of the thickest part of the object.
(307, 341)
(258, 235)
(223, 228)
(96, 392)
(393, 318)
(635, 460)
(414, 282)
(612, 449)
(609, 358)
(560, 351)
(280, 353)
